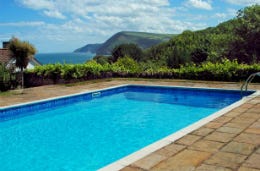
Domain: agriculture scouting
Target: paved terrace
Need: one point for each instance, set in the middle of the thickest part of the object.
(230, 142)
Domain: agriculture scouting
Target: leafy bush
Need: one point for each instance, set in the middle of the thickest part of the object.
(131, 50)
(225, 70)
(198, 56)
(7, 79)
(103, 59)
(126, 64)
(69, 71)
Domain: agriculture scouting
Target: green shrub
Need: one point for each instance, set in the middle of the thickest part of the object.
(102, 59)
(126, 64)
(224, 70)
(7, 78)
(130, 50)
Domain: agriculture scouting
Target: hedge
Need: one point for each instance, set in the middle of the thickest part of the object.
(66, 73)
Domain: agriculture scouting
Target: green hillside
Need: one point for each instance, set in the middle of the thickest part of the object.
(214, 41)
(142, 39)
(238, 39)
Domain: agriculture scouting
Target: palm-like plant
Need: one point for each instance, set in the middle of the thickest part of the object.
(22, 52)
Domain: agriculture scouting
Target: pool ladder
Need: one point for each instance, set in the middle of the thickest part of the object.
(248, 80)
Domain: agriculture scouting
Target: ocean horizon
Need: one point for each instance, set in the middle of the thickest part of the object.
(63, 57)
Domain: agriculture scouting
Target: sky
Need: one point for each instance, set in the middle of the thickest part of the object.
(65, 25)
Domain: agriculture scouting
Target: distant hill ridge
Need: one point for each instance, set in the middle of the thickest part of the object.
(142, 39)
(89, 48)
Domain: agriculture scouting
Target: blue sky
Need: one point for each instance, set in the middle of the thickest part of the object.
(64, 25)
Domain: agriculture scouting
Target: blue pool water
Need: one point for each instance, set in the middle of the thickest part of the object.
(86, 133)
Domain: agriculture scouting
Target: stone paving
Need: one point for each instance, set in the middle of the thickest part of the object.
(230, 142)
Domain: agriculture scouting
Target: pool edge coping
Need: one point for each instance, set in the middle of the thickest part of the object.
(61, 97)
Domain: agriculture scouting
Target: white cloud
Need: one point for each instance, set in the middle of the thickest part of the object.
(243, 2)
(229, 13)
(199, 4)
(39, 4)
(5, 37)
(23, 24)
(54, 14)
(221, 15)
(109, 16)
(83, 8)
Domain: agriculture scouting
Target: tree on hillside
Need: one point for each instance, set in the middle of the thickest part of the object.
(103, 59)
(127, 64)
(131, 50)
(22, 52)
(246, 46)
(199, 55)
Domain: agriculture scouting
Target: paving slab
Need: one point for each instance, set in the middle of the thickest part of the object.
(233, 114)
(254, 110)
(245, 120)
(241, 110)
(206, 167)
(254, 128)
(230, 130)
(131, 168)
(149, 161)
(253, 161)
(248, 138)
(203, 131)
(225, 159)
(237, 125)
(223, 119)
(220, 136)
(206, 145)
(170, 150)
(258, 150)
(188, 140)
(250, 115)
(239, 148)
(183, 161)
(253, 131)
(214, 125)
(247, 105)
(247, 169)
(255, 101)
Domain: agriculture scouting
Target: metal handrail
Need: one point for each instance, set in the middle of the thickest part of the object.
(248, 80)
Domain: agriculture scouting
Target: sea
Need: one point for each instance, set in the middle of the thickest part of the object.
(62, 58)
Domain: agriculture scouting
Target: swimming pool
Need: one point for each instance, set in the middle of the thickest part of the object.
(90, 130)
